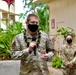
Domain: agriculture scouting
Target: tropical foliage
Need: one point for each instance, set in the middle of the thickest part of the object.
(57, 62)
(64, 31)
(42, 10)
(6, 37)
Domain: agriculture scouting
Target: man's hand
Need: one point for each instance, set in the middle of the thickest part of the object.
(45, 57)
(31, 46)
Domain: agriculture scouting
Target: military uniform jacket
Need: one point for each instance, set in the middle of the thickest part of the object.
(29, 62)
(68, 54)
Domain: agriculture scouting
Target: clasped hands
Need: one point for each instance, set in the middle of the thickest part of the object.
(70, 65)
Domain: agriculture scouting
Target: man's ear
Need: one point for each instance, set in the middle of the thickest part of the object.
(27, 23)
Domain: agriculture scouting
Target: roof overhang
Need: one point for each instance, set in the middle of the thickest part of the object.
(11, 13)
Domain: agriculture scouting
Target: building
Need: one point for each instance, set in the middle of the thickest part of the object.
(62, 13)
(6, 15)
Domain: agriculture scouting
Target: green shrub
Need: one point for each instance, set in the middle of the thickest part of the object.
(6, 37)
(64, 31)
(56, 62)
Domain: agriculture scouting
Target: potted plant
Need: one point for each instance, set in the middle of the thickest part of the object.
(6, 37)
(63, 31)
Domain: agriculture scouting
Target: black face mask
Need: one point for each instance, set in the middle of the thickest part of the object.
(69, 41)
(33, 27)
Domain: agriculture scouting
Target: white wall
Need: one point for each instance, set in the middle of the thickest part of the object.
(64, 13)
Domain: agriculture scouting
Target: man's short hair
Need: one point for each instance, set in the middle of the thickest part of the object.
(31, 15)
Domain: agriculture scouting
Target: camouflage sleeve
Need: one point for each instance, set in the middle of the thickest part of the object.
(16, 53)
(50, 48)
(19, 54)
(63, 57)
(74, 59)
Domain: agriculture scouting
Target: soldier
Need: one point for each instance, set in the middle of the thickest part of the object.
(31, 46)
(68, 55)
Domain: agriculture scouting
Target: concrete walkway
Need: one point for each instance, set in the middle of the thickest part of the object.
(54, 71)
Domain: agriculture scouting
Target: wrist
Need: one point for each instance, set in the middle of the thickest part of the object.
(30, 50)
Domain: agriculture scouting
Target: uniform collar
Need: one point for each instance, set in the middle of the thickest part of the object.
(29, 36)
(68, 46)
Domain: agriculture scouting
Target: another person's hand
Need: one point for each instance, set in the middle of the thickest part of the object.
(45, 57)
(70, 65)
(31, 46)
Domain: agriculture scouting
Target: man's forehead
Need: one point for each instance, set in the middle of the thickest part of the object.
(33, 18)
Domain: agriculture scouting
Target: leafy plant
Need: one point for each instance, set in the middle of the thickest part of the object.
(57, 62)
(6, 37)
(64, 31)
(41, 9)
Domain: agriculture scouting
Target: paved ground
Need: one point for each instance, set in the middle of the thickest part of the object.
(54, 71)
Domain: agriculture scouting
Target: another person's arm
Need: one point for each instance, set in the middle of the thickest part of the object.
(63, 57)
(74, 59)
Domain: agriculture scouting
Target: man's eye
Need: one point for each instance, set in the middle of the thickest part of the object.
(34, 22)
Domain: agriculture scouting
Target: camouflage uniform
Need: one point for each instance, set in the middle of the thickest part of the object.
(68, 54)
(30, 64)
